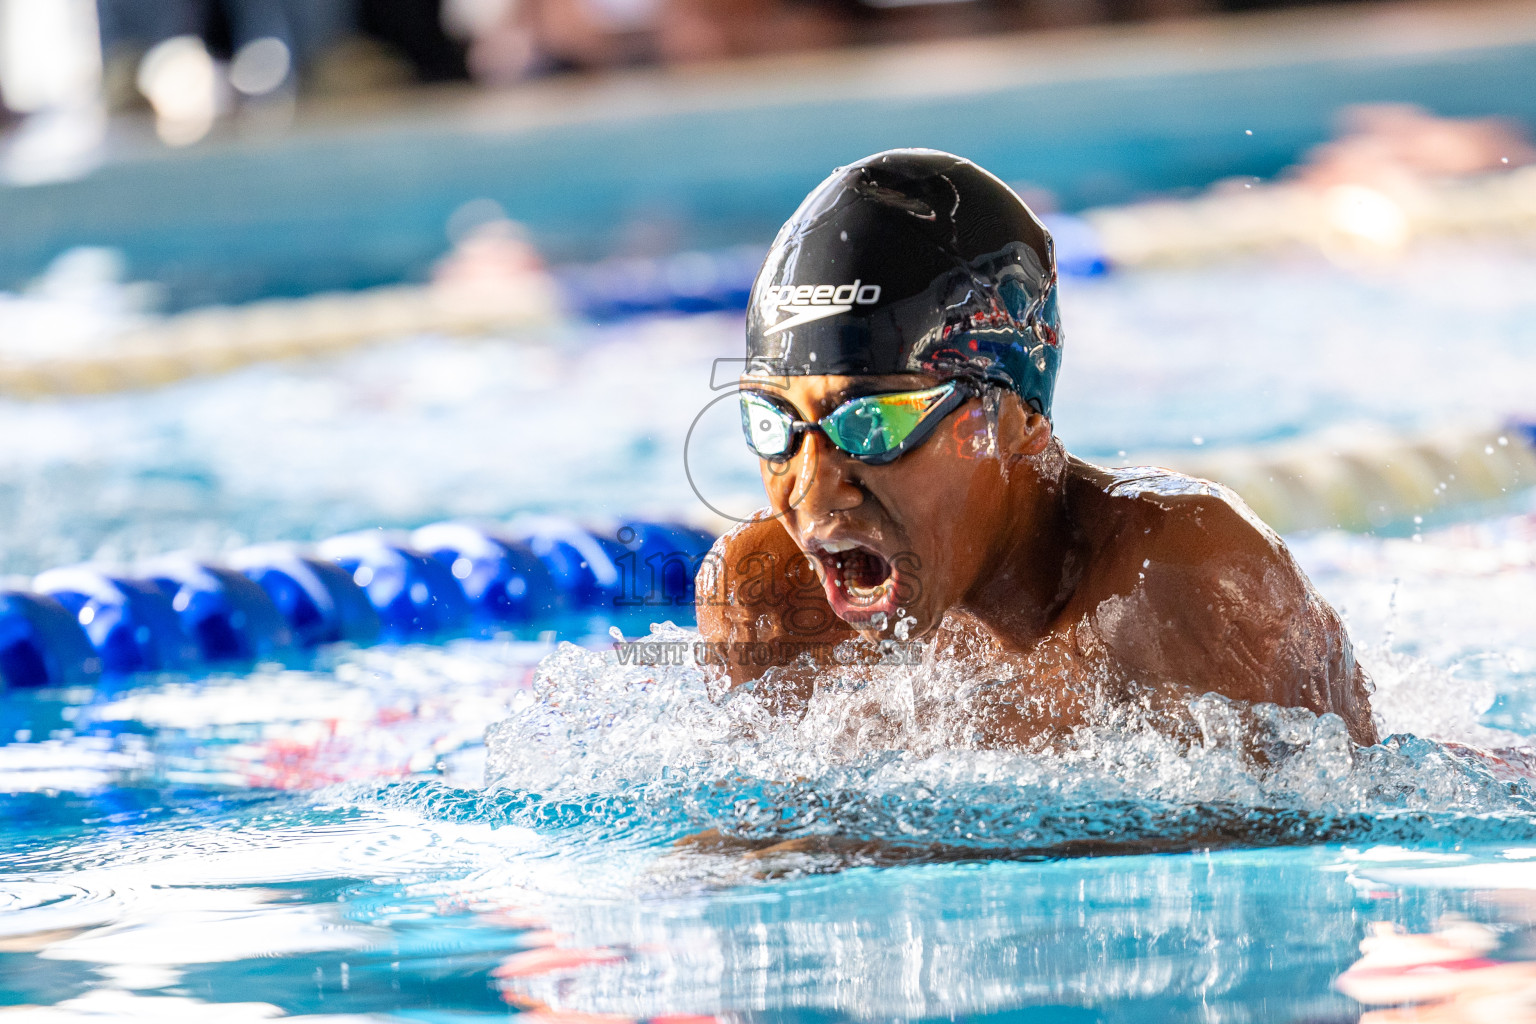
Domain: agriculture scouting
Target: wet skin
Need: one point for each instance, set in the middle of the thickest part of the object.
(1132, 584)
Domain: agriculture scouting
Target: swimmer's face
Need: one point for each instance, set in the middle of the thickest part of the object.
(913, 537)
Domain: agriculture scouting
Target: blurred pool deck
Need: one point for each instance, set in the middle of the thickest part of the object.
(357, 194)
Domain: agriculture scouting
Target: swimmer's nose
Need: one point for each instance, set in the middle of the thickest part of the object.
(824, 479)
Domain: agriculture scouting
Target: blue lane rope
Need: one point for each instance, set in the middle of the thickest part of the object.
(539, 574)
(80, 624)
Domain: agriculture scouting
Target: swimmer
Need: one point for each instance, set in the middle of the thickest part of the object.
(903, 342)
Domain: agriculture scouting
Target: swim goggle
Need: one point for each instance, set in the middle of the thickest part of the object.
(874, 429)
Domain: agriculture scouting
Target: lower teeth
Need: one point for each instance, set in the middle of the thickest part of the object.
(842, 569)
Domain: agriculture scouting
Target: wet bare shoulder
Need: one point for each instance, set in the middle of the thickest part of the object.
(1192, 588)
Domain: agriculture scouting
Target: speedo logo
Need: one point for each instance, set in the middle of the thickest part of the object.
(806, 302)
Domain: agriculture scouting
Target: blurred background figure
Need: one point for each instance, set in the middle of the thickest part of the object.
(50, 75)
(512, 39)
(1390, 144)
(193, 60)
(64, 63)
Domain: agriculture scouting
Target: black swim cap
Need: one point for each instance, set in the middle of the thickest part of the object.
(910, 261)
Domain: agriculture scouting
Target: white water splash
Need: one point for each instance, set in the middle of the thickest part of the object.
(886, 753)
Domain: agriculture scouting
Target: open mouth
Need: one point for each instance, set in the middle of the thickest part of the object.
(860, 582)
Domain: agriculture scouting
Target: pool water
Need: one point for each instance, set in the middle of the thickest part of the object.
(486, 827)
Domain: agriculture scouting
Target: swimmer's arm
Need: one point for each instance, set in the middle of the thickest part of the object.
(760, 604)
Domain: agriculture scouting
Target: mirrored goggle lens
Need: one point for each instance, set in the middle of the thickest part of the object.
(879, 424)
(769, 430)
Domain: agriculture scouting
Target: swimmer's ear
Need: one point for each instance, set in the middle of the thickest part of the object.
(1025, 431)
(1039, 431)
